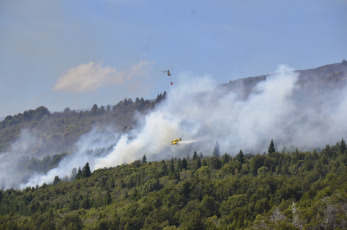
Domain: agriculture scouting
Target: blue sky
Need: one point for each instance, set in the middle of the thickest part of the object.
(76, 53)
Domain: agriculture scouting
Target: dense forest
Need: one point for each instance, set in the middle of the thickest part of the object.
(277, 190)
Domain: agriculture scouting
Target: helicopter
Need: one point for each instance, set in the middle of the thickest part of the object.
(167, 72)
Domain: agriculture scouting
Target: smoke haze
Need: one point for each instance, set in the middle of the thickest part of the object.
(201, 115)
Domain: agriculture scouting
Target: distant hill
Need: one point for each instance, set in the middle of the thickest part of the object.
(57, 132)
(311, 81)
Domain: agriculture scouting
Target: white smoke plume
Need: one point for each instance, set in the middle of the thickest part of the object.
(11, 174)
(194, 110)
(90, 146)
(201, 115)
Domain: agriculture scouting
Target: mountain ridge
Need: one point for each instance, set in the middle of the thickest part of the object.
(336, 71)
(314, 83)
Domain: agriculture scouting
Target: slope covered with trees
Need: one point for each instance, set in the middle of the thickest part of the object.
(277, 190)
(58, 131)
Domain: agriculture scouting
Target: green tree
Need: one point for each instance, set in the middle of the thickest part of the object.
(216, 163)
(263, 170)
(184, 163)
(342, 146)
(108, 198)
(103, 224)
(186, 189)
(172, 166)
(179, 164)
(256, 162)
(271, 147)
(46, 221)
(86, 204)
(225, 159)
(195, 155)
(72, 221)
(163, 170)
(198, 163)
(240, 157)
(208, 206)
(86, 170)
(56, 180)
(40, 112)
(194, 221)
(216, 150)
(144, 159)
(79, 173)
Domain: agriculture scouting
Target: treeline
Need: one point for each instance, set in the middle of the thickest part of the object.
(64, 128)
(279, 190)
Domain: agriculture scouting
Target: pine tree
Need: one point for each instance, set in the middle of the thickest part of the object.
(86, 204)
(172, 166)
(86, 170)
(184, 163)
(108, 198)
(198, 163)
(342, 146)
(216, 150)
(179, 164)
(112, 184)
(271, 147)
(225, 159)
(195, 155)
(144, 159)
(240, 157)
(216, 163)
(164, 170)
(79, 173)
(56, 180)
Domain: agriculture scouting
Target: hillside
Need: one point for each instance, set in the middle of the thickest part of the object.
(288, 190)
(311, 82)
(57, 132)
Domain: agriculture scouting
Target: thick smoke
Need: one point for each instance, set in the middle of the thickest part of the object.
(90, 147)
(201, 115)
(20, 168)
(11, 172)
(197, 112)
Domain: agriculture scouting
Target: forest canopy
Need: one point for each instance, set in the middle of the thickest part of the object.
(278, 190)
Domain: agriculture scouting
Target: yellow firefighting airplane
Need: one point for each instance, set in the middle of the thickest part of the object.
(176, 141)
